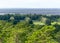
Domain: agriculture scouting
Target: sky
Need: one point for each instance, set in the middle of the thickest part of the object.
(29, 3)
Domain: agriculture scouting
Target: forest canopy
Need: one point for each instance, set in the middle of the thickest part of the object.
(17, 28)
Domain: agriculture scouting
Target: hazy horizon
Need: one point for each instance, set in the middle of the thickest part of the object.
(30, 11)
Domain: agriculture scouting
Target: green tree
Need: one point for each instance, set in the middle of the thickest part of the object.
(42, 36)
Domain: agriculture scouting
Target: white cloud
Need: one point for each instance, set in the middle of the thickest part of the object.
(29, 3)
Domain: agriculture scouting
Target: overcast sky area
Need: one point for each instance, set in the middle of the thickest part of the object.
(29, 3)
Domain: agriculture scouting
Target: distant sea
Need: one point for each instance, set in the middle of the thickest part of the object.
(53, 11)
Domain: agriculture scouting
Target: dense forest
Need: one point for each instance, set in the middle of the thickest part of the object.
(29, 28)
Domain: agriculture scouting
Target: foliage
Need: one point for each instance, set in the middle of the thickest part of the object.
(23, 30)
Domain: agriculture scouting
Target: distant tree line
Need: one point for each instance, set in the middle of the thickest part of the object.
(35, 17)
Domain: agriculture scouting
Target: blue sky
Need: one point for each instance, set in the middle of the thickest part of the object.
(29, 3)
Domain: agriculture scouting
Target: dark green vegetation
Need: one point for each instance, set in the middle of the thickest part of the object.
(29, 28)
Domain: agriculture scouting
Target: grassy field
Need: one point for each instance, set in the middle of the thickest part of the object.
(55, 23)
(38, 23)
(41, 23)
